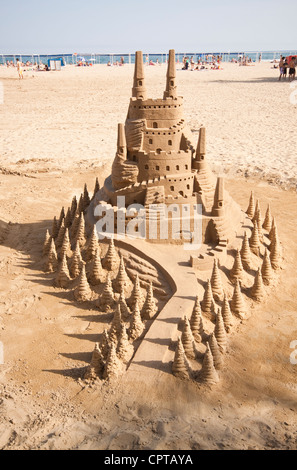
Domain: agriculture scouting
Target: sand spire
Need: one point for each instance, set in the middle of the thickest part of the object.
(115, 327)
(82, 292)
(245, 253)
(86, 197)
(110, 262)
(113, 366)
(55, 228)
(226, 314)
(125, 349)
(80, 206)
(196, 322)
(95, 369)
(73, 207)
(136, 295)
(63, 277)
(237, 304)
(180, 365)
(92, 245)
(122, 281)
(220, 332)
(215, 351)
(208, 373)
(60, 237)
(138, 90)
(137, 327)
(273, 226)
(76, 262)
(96, 188)
(149, 308)
(80, 235)
(96, 275)
(216, 282)
(170, 91)
(107, 297)
(267, 220)
(46, 244)
(188, 340)
(207, 303)
(251, 208)
(68, 218)
(266, 269)
(52, 258)
(257, 289)
(275, 254)
(254, 240)
(126, 314)
(236, 271)
(66, 247)
(104, 344)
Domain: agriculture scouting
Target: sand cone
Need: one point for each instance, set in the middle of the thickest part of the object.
(97, 275)
(251, 208)
(207, 303)
(215, 351)
(73, 208)
(266, 269)
(82, 292)
(216, 282)
(63, 277)
(80, 236)
(276, 255)
(226, 314)
(68, 219)
(180, 366)
(274, 238)
(104, 344)
(110, 262)
(113, 365)
(137, 327)
(80, 206)
(115, 328)
(66, 247)
(52, 258)
(208, 373)
(76, 262)
(122, 281)
(267, 224)
(46, 244)
(86, 198)
(62, 217)
(257, 209)
(55, 228)
(273, 226)
(220, 332)
(236, 271)
(96, 189)
(259, 225)
(254, 240)
(149, 308)
(107, 296)
(75, 224)
(92, 245)
(96, 367)
(136, 295)
(125, 349)
(257, 289)
(245, 253)
(196, 322)
(237, 305)
(188, 340)
(126, 314)
(60, 237)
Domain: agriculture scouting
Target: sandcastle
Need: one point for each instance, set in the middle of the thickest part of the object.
(239, 253)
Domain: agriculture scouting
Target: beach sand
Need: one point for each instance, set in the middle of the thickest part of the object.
(58, 131)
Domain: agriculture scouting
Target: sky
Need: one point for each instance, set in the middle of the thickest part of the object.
(123, 26)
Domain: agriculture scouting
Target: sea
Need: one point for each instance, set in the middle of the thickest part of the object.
(130, 58)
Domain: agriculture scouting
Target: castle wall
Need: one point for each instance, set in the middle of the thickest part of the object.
(156, 110)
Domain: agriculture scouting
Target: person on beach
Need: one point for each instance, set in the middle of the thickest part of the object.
(292, 69)
(20, 69)
(281, 68)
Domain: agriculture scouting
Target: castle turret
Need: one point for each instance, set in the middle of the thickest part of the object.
(121, 144)
(138, 90)
(199, 162)
(170, 91)
(218, 203)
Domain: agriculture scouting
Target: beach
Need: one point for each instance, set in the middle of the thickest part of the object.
(58, 132)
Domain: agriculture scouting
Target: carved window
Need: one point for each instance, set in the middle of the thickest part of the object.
(169, 142)
(167, 168)
(171, 188)
(155, 125)
(150, 141)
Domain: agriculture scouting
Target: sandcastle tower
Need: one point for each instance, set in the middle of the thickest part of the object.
(266, 269)
(276, 254)
(273, 227)
(75, 224)
(245, 253)
(180, 365)
(220, 332)
(188, 340)
(208, 373)
(63, 277)
(237, 305)
(207, 303)
(125, 349)
(251, 207)
(113, 366)
(95, 369)
(226, 314)
(137, 327)
(73, 208)
(122, 281)
(92, 245)
(110, 262)
(68, 219)
(254, 240)
(82, 292)
(61, 218)
(60, 237)
(196, 322)
(216, 282)
(115, 328)
(104, 344)
(136, 295)
(126, 313)
(46, 244)
(216, 352)
(107, 297)
(96, 275)
(86, 198)
(257, 289)
(66, 247)
(80, 206)
(52, 258)
(76, 262)
(237, 271)
(96, 188)
(267, 224)
(149, 308)
(274, 238)
(55, 228)
(80, 236)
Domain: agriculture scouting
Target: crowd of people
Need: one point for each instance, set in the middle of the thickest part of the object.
(287, 64)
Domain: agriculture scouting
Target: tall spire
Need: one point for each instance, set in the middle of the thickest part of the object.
(201, 150)
(218, 204)
(138, 90)
(121, 144)
(170, 91)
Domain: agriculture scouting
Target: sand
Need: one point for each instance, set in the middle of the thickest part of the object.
(58, 131)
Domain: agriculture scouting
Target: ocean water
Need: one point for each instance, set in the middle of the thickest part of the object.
(130, 58)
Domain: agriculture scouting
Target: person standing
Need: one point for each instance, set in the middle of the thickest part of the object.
(281, 68)
(292, 69)
(20, 69)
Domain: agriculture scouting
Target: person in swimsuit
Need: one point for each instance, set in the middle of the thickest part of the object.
(20, 69)
(292, 70)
